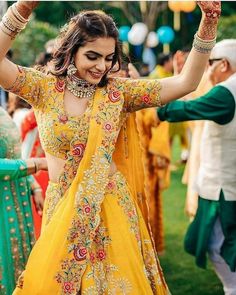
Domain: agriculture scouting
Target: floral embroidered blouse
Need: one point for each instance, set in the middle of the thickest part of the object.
(65, 136)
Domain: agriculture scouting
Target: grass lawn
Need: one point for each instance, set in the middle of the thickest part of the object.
(181, 274)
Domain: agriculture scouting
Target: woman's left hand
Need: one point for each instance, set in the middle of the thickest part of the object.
(210, 9)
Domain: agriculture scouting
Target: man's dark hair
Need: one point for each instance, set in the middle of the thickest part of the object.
(162, 58)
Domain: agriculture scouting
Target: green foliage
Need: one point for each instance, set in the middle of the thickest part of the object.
(30, 42)
(227, 27)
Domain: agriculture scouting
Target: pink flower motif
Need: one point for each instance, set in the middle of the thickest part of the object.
(111, 185)
(145, 98)
(63, 119)
(107, 126)
(59, 85)
(78, 149)
(68, 287)
(114, 96)
(80, 253)
(87, 209)
(101, 254)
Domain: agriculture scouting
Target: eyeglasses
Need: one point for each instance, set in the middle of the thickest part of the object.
(212, 60)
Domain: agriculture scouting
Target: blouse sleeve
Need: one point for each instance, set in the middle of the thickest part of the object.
(29, 85)
(140, 93)
(12, 169)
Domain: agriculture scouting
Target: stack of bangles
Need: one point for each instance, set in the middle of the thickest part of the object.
(203, 46)
(12, 22)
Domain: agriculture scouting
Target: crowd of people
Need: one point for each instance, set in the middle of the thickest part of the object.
(85, 149)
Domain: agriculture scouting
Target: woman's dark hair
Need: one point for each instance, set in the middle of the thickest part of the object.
(82, 28)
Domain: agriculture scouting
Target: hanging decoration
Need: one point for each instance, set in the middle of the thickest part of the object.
(137, 34)
(177, 7)
(165, 36)
(152, 40)
(123, 33)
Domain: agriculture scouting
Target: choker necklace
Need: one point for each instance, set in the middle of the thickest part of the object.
(78, 87)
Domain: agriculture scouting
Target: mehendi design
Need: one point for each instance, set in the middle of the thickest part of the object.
(211, 11)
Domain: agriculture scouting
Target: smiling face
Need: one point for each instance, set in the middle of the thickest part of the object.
(94, 59)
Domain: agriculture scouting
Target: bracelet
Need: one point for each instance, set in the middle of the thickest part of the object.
(36, 167)
(203, 46)
(18, 15)
(37, 189)
(12, 22)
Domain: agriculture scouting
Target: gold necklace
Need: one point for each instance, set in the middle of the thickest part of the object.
(78, 87)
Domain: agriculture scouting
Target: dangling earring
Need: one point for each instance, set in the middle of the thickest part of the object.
(71, 68)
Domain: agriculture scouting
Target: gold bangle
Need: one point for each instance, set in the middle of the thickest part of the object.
(31, 167)
(12, 22)
(17, 14)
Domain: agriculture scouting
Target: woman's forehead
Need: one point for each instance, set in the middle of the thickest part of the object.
(101, 44)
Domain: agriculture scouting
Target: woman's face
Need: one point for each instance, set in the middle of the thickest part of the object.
(94, 59)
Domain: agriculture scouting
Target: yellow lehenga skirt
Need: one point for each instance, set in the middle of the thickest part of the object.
(122, 257)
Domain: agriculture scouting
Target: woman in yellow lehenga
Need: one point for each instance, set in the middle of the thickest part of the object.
(94, 239)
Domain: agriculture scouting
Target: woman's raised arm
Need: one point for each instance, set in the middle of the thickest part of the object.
(12, 23)
(178, 86)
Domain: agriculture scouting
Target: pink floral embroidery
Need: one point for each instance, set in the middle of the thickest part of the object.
(78, 149)
(114, 96)
(101, 254)
(59, 85)
(111, 185)
(63, 119)
(68, 287)
(87, 209)
(80, 253)
(107, 126)
(146, 98)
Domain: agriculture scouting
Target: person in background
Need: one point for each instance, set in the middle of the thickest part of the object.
(164, 67)
(3, 93)
(16, 224)
(213, 229)
(17, 108)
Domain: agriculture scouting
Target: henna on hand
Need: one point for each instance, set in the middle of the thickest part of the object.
(25, 8)
(211, 11)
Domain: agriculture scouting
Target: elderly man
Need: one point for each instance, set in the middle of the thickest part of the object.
(214, 227)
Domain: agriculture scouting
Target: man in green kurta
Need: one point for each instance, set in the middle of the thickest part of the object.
(214, 227)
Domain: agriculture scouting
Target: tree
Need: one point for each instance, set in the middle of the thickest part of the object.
(30, 42)
(226, 29)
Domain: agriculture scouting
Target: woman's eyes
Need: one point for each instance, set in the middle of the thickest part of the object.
(110, 59)
(91, 57)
